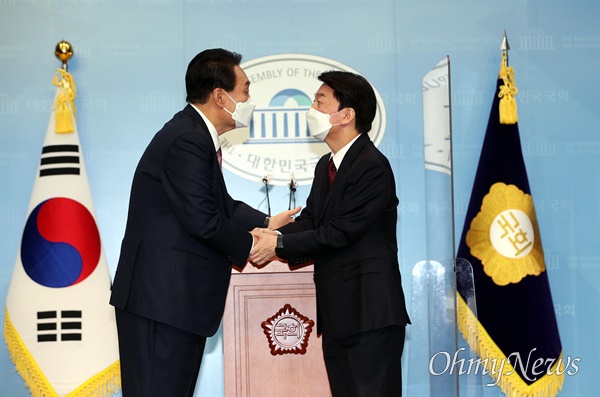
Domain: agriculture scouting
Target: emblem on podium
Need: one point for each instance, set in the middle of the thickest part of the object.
(288, 331)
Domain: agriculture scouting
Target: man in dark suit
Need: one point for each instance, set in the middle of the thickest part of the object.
(183, 233)
(348, 228)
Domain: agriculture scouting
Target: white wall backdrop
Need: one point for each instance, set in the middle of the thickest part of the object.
(129, 65)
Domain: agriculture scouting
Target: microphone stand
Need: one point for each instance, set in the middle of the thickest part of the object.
(266, 182)
(292, 185)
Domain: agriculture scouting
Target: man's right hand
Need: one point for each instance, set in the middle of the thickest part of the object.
(264, 246)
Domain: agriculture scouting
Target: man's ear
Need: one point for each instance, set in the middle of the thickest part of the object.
(348, 115)
(218, 97)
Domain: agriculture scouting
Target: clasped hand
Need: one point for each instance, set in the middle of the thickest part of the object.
(265, 239)
(264, 246)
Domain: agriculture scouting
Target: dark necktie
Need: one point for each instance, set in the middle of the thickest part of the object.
(220, 158)
(331, 173)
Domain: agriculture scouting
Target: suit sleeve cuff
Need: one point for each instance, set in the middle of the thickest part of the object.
(279, 251)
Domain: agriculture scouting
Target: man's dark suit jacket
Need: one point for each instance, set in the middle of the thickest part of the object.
(183, 231)
(350, 233)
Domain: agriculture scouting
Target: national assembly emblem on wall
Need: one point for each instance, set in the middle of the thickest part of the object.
(277, 143)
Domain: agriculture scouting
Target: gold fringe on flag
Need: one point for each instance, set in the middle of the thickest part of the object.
(104, 384)
(492, 357)
(64, 105)
(508, 92)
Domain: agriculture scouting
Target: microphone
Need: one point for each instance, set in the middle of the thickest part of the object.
(265, 180)
(292, 185)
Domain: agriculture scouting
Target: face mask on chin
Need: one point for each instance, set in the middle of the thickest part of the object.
(242, 115)
(319, 124)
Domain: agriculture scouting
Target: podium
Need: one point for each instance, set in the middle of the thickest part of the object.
(270, 343)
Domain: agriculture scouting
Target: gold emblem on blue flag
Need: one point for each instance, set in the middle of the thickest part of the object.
(505, 236)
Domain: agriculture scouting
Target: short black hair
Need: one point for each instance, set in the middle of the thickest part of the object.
(208, 70)
(353, 91)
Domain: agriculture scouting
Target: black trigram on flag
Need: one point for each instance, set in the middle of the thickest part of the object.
(50, 326)
(59, 160)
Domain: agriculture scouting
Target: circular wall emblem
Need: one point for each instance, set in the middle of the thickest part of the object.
(277, 143)
(287, 331)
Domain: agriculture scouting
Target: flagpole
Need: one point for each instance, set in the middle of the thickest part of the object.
(452, 234)
(508, 91)
(66, 112)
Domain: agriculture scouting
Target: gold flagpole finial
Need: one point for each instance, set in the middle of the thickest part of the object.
(64, 52)
(65, 100)
(508, 91)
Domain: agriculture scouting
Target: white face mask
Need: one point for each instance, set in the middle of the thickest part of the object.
(318, 123)
(242, 113)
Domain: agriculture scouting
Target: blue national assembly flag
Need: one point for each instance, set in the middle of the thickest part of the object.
(58, 325)
(515, 332)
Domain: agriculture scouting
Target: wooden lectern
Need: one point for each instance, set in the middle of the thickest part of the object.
(270, 343)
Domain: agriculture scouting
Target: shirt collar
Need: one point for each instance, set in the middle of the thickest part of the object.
(339, 156)
(211, 129)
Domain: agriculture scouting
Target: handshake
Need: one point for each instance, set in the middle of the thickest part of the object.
(265, 239)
